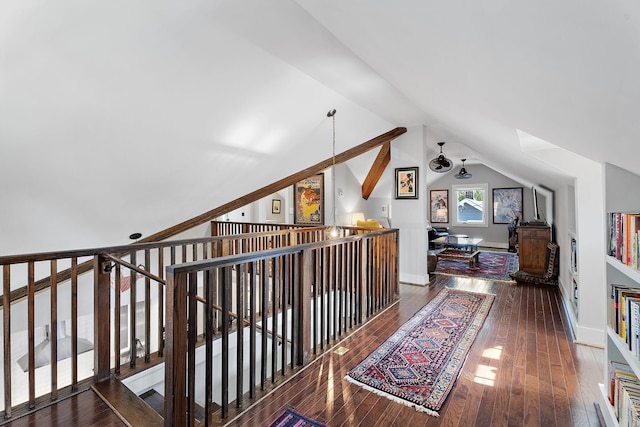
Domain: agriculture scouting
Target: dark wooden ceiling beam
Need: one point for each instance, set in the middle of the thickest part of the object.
(377, 168)
(276, 186)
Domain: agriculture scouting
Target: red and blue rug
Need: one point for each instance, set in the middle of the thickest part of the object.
(292, 418)
(419, 364)
(491, 266)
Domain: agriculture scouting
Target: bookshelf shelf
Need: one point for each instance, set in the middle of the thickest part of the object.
(607, 410)
(629, 358)
(624, 269)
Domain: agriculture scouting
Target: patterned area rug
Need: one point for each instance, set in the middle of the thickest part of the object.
(418, 365)
(292, 418)
(491, 265)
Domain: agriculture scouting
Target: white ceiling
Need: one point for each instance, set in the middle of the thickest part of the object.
(133, 115)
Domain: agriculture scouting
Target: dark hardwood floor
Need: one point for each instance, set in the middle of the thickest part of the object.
(84, 409)
(523, 370)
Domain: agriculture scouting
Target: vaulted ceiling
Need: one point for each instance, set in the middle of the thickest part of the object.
(133, 115)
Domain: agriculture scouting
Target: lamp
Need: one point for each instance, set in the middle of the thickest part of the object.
(356, 216)
(463, 174)
(333, 231)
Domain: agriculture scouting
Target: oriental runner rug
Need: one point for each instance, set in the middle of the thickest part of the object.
(491, 265)
(292, 418)
(419, 364)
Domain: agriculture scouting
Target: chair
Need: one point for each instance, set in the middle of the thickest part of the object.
(550, 275)
(436, 232)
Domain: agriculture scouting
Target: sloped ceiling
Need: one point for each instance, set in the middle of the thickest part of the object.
(133, 115)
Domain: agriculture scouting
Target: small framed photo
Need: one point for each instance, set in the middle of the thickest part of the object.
(275, 206)
(407, 183)
(507, 205)
(309, 200)
(439, 204)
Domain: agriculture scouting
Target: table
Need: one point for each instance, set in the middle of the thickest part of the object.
(471, 256)
(454, 242)
(456, 247)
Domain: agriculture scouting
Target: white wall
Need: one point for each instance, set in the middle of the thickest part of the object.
(494, 235)
(410, 216)
(590, 235)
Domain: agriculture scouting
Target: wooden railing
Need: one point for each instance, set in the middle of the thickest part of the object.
(76, 293)
(311, 295)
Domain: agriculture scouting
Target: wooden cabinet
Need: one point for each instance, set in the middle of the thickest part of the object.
(532, 247)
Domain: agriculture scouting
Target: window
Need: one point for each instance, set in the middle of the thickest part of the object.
(471, 205)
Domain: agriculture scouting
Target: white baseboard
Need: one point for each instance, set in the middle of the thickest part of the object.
(414, 279)
(490, 245)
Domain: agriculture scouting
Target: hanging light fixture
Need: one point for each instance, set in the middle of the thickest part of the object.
(333, 231)
(441, 163)
(463, 174)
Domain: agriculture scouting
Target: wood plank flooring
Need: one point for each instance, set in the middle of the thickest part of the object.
(84, 409)
(523, 369)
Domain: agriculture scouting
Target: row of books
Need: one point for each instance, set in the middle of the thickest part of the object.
(624, 394)
(624, 236)
(574, 255)
(625, 315)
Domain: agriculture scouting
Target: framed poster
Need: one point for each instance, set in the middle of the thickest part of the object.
(275, 206)
(407, 183)
(507, 205)
(309, 197)
(439, 206)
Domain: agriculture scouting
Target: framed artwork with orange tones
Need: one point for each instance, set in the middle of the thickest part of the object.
(407, 183)
(309, 199)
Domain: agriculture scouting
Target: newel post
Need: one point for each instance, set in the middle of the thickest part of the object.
(175, 387)
(101, 318)
(304, 307)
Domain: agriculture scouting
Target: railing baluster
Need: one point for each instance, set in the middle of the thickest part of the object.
(53, 338)
(117, 348)
(31, 303)
(208, 309)
(225, 288)
(285, 312)
(264, 265)
(133, 333)
(160, 303)
(147, 308)
(74, 323)
(6, 325)
(240, 283)
(277, 306)
(252, 331)
(192, 337)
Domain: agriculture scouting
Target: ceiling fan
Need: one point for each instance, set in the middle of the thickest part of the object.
(440, 164)
(463, 174)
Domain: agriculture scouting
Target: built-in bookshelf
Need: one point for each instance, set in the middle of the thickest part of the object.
(621, 387)
(573, 271)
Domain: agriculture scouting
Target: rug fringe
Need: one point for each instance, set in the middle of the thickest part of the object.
(392, 397)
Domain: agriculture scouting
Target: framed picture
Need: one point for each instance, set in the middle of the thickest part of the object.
(507, 205)
(439, 203)
(407, 183)
(275, 206)
(309, 197)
